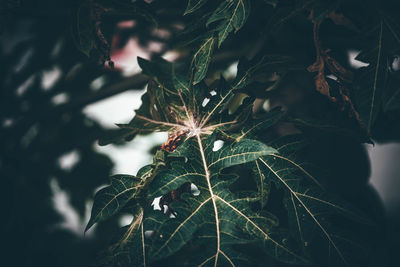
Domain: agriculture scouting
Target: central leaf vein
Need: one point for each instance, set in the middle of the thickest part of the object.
(207, 172)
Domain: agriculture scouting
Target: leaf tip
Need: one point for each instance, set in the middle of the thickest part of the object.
(88, 226)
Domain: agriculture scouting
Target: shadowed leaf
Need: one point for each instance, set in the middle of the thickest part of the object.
(108, 201)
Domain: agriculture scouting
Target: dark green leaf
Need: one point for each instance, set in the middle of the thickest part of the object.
(232, 16)
(371, 81)
(311, 208)
(129, 249)
(268, 64)
(229, 219)
(108, 201)
(202, 58)
(193, 5)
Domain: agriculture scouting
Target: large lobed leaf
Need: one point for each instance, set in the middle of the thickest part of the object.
(124, 189)
(226, 218)
(312, 210)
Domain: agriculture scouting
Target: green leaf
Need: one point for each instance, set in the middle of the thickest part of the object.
(202, 58)
(310, 208)
(158, 69)
(371, 81)
(228, 221)
(284, 13)
(263, 184)
(130, 248)
(232, 16)
(227, 217)
(153, 114)
(193, 5)
(191, 94)
(258, 125)
(218, 102)
(268, 64)
(108, 201)
(116, 136)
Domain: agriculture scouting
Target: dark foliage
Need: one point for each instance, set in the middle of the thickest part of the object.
(289, 185)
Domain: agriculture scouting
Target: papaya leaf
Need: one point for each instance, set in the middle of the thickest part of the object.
(256, 125)
(202, 58)
(232, 220)
(229, 194)
(311, 208)
(371, 80)
(218, 102)
(123, 190)
(151, 116)
(108, 201)
(283, 13)
(231, 15)
(268, 64)
(263, 184)
(154, 114)
(129, 248)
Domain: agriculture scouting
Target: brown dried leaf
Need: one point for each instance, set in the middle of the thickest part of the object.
(321, 84)
(337, 69)
(314, 67)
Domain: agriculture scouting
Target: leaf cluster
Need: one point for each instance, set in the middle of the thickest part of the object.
(257, 198)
